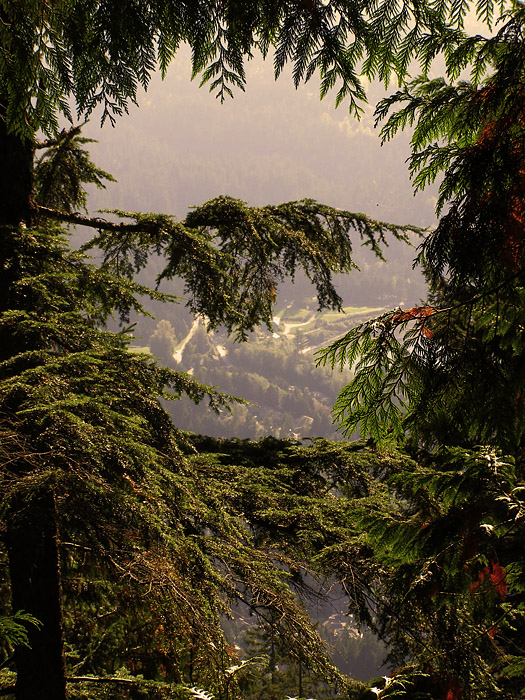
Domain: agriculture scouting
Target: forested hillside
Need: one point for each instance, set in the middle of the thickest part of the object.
(275, 370)
(271, 143)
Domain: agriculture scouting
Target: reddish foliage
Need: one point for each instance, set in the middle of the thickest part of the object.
(453, 689)
(489, 132)
(485, 571)
(498, 578)
(512, 251)
(413, 314)
(490, 138)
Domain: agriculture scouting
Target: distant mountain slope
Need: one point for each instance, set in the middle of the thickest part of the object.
(276, 373)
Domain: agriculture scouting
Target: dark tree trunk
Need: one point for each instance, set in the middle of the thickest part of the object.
(16, 176)
(35, 585)
(16, 183)
(31, 524)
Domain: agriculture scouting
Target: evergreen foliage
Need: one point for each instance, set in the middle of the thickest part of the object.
(99, 53)
(428, 367)
(63, 171)
(97, 498)
(13, 632)
(451, 598)
(232, 257)
(161, 532)
(446, 377)
(139, 525)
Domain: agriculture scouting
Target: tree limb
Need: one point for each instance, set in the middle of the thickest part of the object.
(64, 134)
(102, 679)
(91, 221)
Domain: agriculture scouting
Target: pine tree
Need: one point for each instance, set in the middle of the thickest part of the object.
(95, 463)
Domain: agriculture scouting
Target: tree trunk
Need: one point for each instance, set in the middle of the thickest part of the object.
(16, 183)
(34, 565)
(31, 525)
(16, 176)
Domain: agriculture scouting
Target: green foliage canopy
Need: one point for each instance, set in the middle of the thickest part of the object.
(83, 417)
(445, 378)
(429, 368)
(98, 53)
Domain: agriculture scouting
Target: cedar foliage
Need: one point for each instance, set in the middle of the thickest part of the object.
(99, 53)
(445, 378)
(429, 366)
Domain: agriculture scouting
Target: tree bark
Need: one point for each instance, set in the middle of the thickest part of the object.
(34, 565)
(16, 175)
(31, 524)
(16, 183)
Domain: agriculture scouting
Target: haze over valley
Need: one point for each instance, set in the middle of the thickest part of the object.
(268, 145)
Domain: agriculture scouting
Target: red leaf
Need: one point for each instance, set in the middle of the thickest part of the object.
(499, 579)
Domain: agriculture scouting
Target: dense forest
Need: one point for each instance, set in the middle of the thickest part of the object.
(142, 559)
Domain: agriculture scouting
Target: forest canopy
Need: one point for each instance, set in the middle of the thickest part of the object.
(128, 541)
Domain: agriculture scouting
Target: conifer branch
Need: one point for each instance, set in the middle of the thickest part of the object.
(103, 679)
(65, 134)
(91, 221)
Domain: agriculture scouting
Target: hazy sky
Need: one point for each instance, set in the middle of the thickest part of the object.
(270, 144)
